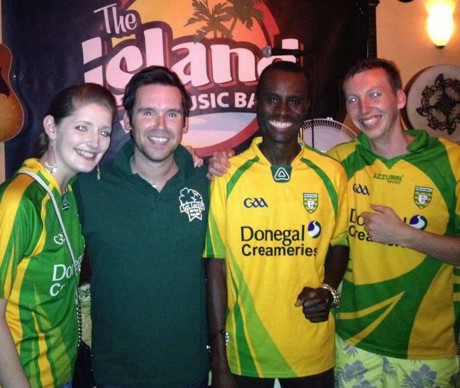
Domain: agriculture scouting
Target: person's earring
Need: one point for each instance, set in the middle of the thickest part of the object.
(49, 166)
(98, 172)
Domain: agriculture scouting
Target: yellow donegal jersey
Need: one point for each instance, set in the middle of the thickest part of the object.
(396, 301)
(273, 226)
(37, 275)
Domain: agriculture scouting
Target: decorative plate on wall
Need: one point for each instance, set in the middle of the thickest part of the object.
(433, 101)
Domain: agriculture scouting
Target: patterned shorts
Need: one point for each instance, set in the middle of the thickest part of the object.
(356, 368)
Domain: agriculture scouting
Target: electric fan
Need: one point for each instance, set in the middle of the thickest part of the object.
(323, 134)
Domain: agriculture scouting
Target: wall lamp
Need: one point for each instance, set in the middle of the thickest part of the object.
(440, 23)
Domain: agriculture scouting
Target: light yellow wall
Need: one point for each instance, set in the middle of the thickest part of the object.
(402, 36)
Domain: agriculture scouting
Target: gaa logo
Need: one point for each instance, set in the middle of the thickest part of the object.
(360, 189)
(254, 202)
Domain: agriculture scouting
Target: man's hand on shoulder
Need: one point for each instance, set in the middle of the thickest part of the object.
(219, 164)
(197, 161)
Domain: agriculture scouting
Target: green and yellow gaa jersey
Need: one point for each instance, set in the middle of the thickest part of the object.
(397, 301)
(37, 276)
(273, 225)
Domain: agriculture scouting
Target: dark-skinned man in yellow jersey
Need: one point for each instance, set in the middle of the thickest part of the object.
(275, 249)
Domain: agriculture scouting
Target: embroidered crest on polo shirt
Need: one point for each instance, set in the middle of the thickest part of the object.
(191, 203)
(422, 196)
(310, 202)
(281, 173)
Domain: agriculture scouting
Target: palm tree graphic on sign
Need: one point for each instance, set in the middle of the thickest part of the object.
(222, 18)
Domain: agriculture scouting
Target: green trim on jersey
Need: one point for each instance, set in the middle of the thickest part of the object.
(260, 342)
(274, 238)
(241, 170)
(327, 183)
(396, 301)
(36, 275)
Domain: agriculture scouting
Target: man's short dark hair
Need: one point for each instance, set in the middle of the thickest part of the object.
(392, 71)
(154, 75)
(290, 67)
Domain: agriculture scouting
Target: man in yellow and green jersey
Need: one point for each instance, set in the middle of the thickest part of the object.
(397, 323)
(275, 251)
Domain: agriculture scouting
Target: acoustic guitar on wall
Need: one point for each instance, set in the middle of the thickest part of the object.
(11, 110)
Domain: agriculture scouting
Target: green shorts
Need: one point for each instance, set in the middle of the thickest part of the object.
(356, 368)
